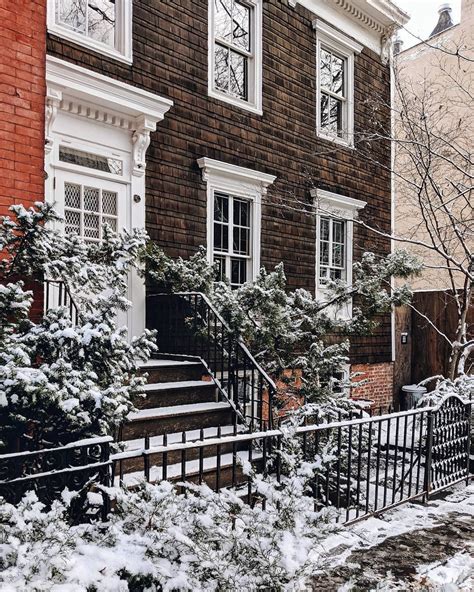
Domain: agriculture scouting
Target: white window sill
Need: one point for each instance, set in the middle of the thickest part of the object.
(336, 140)
(215, 94)
(89, 43)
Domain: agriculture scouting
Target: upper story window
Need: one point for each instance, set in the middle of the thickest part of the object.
(102, 25)
(235, 52)
(335, 84)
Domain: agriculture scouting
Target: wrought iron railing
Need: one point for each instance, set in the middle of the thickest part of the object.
(75, 466)
(188, 324)
(57, 295)
(368, 464)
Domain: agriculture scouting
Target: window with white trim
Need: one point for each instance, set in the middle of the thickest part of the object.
(332, 250)
(235, 47)
(232, 228)
(335, 84)
(334, 240)
(103, 25)
(234, 211)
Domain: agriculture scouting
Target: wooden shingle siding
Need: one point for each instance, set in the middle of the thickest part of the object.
(170, 48)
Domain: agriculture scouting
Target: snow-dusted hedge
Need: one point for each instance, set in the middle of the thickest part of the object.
(159, 539)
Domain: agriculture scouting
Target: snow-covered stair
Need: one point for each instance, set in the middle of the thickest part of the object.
(181, 401)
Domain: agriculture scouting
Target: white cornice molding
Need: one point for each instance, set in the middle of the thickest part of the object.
(370, 22)
(105, 91)
(216, 171)
(85, 93)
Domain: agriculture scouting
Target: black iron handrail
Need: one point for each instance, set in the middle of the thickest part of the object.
(57, 295)
(187, 323)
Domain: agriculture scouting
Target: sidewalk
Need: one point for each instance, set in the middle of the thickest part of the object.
(415, 547)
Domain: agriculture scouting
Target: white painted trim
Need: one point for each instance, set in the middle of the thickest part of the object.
(345, 208)
(336, 38)
(254, 103)
(371, 22)
(340, 44)
(89, 110)
(103, 90)
(123, 32)
(239, 182)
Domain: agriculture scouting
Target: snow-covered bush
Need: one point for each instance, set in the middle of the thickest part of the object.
(59, 380)
(292, 329)
(159, 539)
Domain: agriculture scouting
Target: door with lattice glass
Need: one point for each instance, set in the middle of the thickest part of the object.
(87, 203)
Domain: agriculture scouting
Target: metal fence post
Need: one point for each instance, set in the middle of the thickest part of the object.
(469, 443)
(429, 447)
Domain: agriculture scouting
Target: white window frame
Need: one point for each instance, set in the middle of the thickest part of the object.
(333, 205)
(336, 42)
(254, 91)
(123, 32)
(240, 182)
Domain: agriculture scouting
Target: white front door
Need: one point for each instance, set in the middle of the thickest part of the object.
(86, 202)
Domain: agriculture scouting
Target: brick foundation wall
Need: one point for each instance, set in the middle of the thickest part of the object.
(379, 385)
(22, 101)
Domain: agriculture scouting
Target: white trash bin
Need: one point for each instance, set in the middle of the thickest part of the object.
(411, 394)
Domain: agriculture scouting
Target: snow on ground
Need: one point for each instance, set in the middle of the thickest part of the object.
(413, 547)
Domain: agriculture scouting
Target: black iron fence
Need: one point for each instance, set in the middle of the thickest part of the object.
(368, 464)
(362, 465)
(77, 466)
(188, 324)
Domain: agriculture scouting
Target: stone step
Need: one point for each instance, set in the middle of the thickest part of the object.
(136, 446)
(176, 418)
(168, 370)
(164, 394)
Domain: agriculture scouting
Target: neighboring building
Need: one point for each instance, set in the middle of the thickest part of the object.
(433, 66)
(200, 120)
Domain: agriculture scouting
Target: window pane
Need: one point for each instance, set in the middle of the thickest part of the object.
(91, 161)
(335, 117)
(73, 221)
(324, 111)
(241, 241)
(238, 274)
(72, 13)
(325, 65)
(220, 263)
(91, 226)
(222, 19)
(338, 231)
(241, 26)
(241, 212)
(221, 208)
(109, 203)
(336, 274)
(91, 199)
(324, 253)
(101, 21)
(72, 195)
(324, 229)
(238, 75)
(337, 83)
(337, 256)
(221, 68)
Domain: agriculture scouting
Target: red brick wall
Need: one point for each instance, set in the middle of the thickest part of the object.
(379, 383)
(22, 101)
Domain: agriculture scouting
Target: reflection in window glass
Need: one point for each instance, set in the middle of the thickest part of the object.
(232, 218)
(333, 97)
(93, 18)
(232, 47)
(332, 249)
